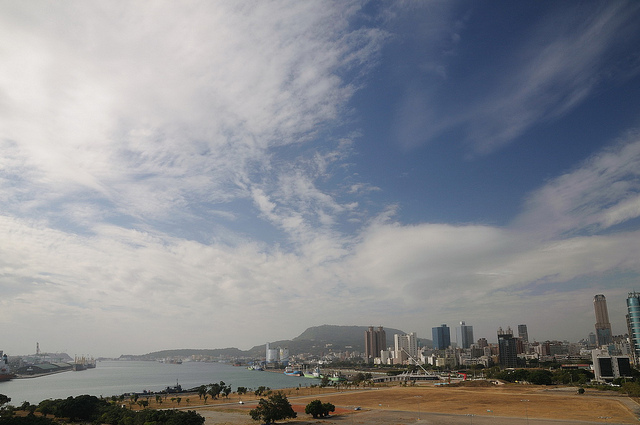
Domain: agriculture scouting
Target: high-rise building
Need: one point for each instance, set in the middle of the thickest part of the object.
(507, 348)
(523, 334)
(464, 335)
(406, 346)
(603, 327)
(633, 323)
(374, 342)
(441, 337)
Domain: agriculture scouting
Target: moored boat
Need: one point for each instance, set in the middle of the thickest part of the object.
(291, 372)
(315, 374)
(337, 377)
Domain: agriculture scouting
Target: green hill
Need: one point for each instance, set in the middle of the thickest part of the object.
(316, 340)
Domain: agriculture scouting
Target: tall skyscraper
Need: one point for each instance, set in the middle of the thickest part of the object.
(523, 334)
(633, 323)
(441, 337)
(464, 335)
(406, 346)
(507, 348)
(374, 342)
(603, 327)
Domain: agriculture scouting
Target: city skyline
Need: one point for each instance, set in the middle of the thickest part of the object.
(211, 175)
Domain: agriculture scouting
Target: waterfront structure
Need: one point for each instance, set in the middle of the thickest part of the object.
(441, 337)
(271, 354)
(374, 342)
(603, 326)
(607, 367)
(507, 348)
(523, 334)
(633, 323)
(284, 355)
(464, 335)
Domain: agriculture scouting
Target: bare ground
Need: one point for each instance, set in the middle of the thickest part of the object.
(506, 404)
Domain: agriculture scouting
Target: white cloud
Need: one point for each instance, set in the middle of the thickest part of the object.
(597, 195)
(131, 133)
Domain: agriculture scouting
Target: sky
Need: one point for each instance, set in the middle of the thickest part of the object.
(211, 174)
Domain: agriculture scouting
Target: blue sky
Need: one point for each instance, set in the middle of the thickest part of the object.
(206, 175)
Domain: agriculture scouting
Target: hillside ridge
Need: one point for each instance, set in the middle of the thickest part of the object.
(316, 340)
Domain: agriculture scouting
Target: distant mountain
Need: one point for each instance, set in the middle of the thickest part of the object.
(187, 352)
(317, 340)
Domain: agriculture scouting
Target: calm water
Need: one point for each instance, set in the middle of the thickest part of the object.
(119, 377)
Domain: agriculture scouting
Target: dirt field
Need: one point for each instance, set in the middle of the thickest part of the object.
(507, 404)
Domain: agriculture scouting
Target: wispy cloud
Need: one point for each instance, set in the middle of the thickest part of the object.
(174, 166)
(546, 70)
(599, 194)
(565, 58)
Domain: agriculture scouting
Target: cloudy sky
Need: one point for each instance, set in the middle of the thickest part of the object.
(215, 174)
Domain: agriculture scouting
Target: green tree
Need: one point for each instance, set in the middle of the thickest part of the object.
(214, 390)
(324, 381)
(540, 377)
(261, 390)
(318, 409)
(202, 391)
(275, 408)
(4, 399)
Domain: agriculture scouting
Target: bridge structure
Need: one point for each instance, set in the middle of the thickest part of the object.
(407, 377)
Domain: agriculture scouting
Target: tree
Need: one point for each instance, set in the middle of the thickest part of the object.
(202, 391)
(261, 390)
(318, 409)
(540, 377)
(4, 399)
(214, 390)
(275, 408)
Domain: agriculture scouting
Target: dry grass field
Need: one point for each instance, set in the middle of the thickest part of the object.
(488, 403)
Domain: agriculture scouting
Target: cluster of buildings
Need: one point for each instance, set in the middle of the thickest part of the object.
(463, 351)
(611, 355)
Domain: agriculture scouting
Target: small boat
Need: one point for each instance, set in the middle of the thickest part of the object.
(315, 374)
(291, 372)
(337, 377)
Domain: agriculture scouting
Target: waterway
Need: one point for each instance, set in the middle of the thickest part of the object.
(119, 377)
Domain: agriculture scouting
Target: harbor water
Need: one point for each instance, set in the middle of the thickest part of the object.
(119, 377)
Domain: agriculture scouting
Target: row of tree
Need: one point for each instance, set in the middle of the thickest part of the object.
(214, 390)
(87, 408)
(542, 376)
